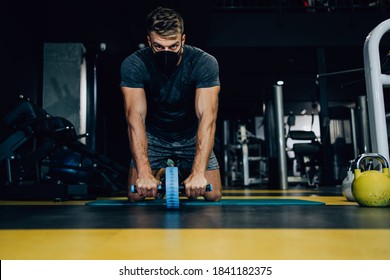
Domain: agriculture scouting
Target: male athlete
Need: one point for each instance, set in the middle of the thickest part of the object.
(170, 93)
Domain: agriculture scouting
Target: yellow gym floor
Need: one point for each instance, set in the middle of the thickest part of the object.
(71, 230)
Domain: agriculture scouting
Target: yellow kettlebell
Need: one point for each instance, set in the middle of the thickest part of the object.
(371, 187)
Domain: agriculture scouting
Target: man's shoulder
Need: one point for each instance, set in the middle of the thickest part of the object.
(135, 69)
(197, 56)
(196, 52)
(137, 56)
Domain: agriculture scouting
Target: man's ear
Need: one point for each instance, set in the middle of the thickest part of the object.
(183, 39)
(149, 41)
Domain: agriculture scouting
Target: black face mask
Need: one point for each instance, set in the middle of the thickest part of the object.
(167, 60)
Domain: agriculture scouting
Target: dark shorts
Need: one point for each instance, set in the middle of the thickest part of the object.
(181, 152)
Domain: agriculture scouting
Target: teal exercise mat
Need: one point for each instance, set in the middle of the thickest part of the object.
(202, 202)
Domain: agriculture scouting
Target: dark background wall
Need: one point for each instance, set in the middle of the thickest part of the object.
(255, 46)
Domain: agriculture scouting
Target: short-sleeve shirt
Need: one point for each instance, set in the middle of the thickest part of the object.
(171, 99)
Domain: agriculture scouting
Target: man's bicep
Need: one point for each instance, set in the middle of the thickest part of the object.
(206, 100)
(134, 101)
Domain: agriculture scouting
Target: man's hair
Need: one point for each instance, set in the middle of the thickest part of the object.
(165, 22)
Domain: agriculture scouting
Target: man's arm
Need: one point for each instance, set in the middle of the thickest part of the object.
(206, 107)
(135, 110)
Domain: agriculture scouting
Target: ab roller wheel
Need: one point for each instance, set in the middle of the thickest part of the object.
(171, 188)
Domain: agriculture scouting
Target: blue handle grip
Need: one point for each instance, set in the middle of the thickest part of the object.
(160, 187)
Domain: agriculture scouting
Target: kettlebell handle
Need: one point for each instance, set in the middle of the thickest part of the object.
(376, 156)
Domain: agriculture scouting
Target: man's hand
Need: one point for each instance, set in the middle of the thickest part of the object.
(195, 185)
(147, 186)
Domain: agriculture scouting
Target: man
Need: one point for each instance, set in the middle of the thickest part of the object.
(170, 93)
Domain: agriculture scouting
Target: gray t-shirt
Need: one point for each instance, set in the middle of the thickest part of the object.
(171, 99)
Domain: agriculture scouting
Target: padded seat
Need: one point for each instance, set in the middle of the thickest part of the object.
(306, 148)
(302, 135)
(307, 153)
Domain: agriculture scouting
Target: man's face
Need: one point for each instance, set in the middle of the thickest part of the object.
(172, 43)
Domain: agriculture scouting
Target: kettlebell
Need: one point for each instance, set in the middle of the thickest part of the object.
(346, 185)
(371, 187)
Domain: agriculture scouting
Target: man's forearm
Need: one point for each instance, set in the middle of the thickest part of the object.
(206, 105)
(204, 144)
(139, 146)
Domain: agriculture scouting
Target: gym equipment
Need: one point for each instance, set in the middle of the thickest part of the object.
(200, 202)
(307, 154)
(346, 185)
(307, 151)
(250, 148)
(371, 187)
(244, 160)
(20, 144)
(375, 81)
(343, 140)
(42, 150)
(170, 187)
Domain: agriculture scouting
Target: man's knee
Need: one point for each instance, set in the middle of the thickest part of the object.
(213, 196)
(214, 178)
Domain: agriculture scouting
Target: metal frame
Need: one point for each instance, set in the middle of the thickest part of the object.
(375, 81)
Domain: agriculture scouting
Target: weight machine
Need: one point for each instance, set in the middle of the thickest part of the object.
(307, 151)
(244, 160)
(44, 151)
(248, 158)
